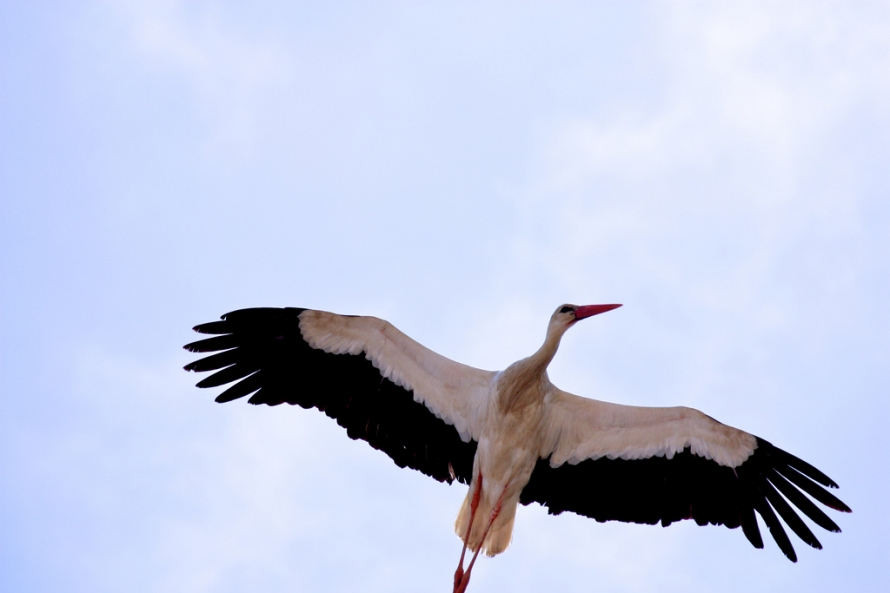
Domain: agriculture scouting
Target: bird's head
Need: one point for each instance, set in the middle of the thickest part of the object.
(566, 316)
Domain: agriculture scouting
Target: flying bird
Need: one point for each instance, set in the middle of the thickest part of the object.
(513, 436)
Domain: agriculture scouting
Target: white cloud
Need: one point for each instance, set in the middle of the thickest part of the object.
(228, 72)
(737, 146)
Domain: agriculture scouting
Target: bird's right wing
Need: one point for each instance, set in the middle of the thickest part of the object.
(649, 465)
(422, 409)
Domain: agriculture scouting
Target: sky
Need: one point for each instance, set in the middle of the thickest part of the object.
(459, 169)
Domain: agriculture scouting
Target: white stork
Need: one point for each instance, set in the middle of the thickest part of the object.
(512, 435)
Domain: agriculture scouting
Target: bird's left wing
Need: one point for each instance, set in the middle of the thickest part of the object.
(420, 408)
(650, 465)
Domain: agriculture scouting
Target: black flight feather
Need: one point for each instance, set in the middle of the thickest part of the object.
(658, 489)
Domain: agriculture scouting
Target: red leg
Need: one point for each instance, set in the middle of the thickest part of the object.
(465, 578)
(474, 504)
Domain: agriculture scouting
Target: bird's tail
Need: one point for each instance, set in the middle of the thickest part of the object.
(501, 531)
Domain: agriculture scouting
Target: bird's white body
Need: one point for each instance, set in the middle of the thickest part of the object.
(506, 456)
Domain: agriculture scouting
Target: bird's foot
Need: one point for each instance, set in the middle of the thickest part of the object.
(461, 585)
(458, 578)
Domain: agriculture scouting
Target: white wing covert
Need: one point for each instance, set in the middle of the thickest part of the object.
(578, 428)
(454, 392)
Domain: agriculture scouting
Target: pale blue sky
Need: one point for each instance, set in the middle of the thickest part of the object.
(459, 169)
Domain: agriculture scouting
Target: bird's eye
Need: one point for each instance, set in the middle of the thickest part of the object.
(566, 309)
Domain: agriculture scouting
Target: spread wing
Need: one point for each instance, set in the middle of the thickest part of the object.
(650, 465)
(420, 408)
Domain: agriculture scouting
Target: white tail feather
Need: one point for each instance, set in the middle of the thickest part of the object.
(501, 532)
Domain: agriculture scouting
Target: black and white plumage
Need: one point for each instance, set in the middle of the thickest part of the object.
(512, 435)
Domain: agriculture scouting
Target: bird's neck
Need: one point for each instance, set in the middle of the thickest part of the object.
(541, 359)
(524, 382)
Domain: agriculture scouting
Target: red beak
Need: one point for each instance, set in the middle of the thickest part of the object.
(585, 311)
